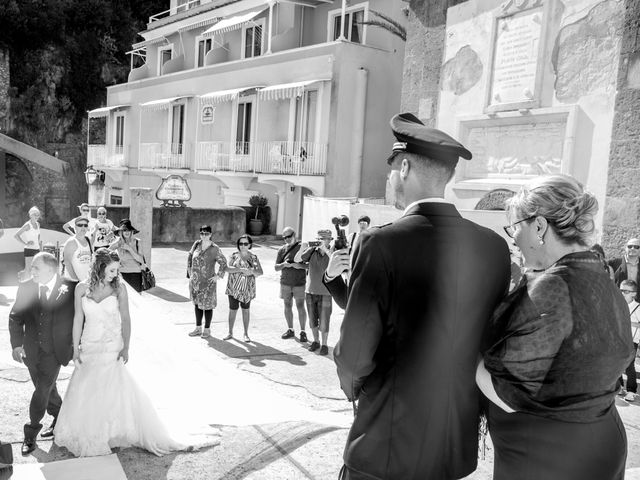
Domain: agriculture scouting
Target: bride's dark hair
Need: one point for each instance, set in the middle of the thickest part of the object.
(102, 258)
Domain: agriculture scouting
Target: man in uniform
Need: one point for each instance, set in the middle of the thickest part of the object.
(421, 291)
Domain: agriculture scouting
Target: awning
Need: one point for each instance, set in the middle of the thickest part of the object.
(146, 43)
(220, 96)
(104, 111)
(232, 23)
(201, 23)
(163, 103)
(286, 90)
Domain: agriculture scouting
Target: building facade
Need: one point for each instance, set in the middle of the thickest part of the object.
(254, 96)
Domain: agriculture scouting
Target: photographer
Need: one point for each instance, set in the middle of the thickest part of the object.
(317, 296)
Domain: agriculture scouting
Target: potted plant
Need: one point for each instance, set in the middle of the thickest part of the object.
(255, 224)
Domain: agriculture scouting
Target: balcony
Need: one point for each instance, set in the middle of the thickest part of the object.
(108, 157)
(164, 156)
(275, 157)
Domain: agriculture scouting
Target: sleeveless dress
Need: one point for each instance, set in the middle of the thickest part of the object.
(104, 407)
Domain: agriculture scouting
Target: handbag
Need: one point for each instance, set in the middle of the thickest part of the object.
(6, 455)
(148, 278)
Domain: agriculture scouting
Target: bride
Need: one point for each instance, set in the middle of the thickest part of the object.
(104, 408)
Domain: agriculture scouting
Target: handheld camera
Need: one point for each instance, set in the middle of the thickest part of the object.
(341, 237)
(315, 243)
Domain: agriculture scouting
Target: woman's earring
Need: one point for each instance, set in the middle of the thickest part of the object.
(540, 240)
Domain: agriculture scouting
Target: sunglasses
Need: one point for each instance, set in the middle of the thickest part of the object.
(628, 291)
(102, 214)
(635, 247)
(205, 233)
(287, 236)
(510, 229)
(84, 211)
(82, 225)
(243, 244)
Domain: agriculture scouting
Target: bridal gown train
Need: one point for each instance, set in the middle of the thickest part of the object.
(104, 407)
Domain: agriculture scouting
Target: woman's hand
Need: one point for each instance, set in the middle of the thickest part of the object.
(30, 242)
(76, 356)
(124, 355)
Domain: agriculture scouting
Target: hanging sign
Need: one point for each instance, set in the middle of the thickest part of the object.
(173, 191)
(207, 114)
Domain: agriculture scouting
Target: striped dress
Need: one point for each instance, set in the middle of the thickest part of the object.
(240, 286)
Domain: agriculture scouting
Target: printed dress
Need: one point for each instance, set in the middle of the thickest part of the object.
(203, 278)
(240, 286)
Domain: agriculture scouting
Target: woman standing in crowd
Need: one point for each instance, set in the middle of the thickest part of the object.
(29, 235)
(77, 252)
(131, 260)
(102, 234)
(547, 418)
(201, 270)
(243, 268)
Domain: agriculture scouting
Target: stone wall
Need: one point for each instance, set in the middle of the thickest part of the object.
(423, 56)
(622, 204)
(4, 89)
(181, 225)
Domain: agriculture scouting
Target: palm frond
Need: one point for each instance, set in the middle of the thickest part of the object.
(386, 18)
(387, 24)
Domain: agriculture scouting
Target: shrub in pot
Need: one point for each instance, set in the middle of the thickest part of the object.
(255, 224)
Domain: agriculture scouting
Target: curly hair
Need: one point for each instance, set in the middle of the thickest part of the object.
(102, 258)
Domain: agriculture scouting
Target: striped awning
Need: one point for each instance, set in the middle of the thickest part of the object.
(147, 43)
(286, 90)
(163, 103)
(201, 23)
(213, 98)
(232, 23)
(104, 111)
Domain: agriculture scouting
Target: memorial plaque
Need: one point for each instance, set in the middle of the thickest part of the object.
(515, 59)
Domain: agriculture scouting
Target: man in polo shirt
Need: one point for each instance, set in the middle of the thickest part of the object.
(292, 280)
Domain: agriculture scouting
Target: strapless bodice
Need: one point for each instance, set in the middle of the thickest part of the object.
(102, 320)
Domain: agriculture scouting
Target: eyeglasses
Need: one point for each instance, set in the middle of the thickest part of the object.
(628, 291)
(243, 244)
(287, 236)
(635, 247)
(510, 229)
(101, 214)
(82, 225)
(84, 211)
(205, 233)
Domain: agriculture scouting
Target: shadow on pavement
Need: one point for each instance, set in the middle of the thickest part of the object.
(278, 443)
(167, 295)
(255, 352)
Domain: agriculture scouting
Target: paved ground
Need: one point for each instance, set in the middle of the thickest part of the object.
(277, 407)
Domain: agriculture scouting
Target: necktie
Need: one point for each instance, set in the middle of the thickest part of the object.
(43, 293)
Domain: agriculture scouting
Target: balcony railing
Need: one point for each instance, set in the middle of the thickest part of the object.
(105, 156)
(169, 156)
(177, 9)
(280, 157)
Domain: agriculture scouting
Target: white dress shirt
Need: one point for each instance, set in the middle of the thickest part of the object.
(426, 200)
(49, 285)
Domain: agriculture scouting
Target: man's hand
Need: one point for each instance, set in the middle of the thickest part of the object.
(76, 356)
(338, 262)
(124, 355)
(18, 354)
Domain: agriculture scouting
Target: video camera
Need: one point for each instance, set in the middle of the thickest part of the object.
(341, 237)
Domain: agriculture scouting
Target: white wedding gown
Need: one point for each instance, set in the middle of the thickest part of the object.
(104, 407)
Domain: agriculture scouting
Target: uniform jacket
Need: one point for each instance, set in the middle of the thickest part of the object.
(421, 292)
(24, 324)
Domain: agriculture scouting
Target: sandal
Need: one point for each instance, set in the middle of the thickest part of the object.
(228, 337)
(246, 338)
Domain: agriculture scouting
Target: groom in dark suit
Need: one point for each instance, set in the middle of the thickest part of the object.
(420, 293)
(40, 327)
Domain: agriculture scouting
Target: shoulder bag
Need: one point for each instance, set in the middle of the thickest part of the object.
(148, 278)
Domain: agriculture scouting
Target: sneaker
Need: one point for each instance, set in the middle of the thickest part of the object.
(206, 333)
(228, 337)
(196, 333)
(324, 350)
(303, 336)
(314, 346)
(630, 397)
(287, 334)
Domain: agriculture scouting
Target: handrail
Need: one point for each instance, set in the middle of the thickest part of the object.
(177, 9)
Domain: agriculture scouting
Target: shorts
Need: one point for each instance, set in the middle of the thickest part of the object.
(234, 303)
(319, 309)
(30, 252)
(287, 291)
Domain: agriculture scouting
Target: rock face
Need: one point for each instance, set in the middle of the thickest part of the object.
(583, 51)
(462, 72)
(622, 206)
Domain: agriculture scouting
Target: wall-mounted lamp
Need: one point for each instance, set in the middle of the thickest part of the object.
(292, 188)
(93, 176)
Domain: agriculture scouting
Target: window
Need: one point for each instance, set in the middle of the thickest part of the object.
(164, 55)
(119, 133)
(306, 108)
(177, 128)
(252, 38)
(243, 128)
(204, 46)
(184, 5)
(115, 199)
(353, 27)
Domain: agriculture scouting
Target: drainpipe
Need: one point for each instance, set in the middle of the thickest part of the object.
(271, 3)
(357, 146)
(343, 14)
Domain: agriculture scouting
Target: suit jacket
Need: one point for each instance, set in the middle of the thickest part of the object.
(620, 273)
(421, 293)
(24, 323)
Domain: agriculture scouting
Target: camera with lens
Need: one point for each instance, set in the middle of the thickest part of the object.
(341, 236)
(315, 243)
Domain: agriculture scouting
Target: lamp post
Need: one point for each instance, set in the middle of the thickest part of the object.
(95, 181)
